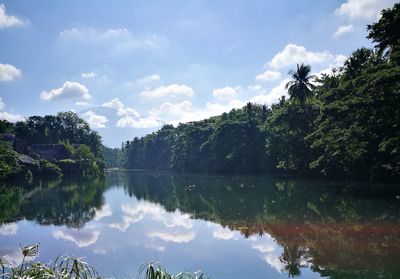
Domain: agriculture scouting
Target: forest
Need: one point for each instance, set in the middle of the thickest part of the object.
(343, 125)
(52, 145)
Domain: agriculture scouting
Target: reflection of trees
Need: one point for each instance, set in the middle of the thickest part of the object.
(292, 257)
(336, 228)
(59, 202)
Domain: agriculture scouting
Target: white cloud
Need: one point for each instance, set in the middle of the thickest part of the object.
(175, 109)
(95, 120)
(88, 75)
(81, 238)
(294, 54)
(363, 9)
(9, 20)
(139, 123)
(117, 39)
(130, 117)
(167, 91)
(339, 60)
(343, 30)
(2, 104)
(269, 98)
(105, 211)
(10, 116)
(121, 109)
(225, 93)
(210, 109)
(172, 237)
(269, 76)
(8, 229)
(223, 233)
(148, 79)
(69, 90)
(336, 64)
(9, 72)
(81, 104)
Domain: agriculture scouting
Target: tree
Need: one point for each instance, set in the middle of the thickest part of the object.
(300, 87)
(386, 32)
(356, 62)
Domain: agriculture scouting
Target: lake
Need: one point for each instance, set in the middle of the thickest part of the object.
(223, 226)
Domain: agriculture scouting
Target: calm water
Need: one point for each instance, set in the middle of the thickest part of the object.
(227, 227)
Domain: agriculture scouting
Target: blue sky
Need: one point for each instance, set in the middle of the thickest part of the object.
(127, 67)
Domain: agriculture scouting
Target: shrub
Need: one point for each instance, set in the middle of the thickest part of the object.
(8, 161)
(49, 169)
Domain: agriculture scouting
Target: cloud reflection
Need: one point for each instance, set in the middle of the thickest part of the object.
(135, 213)
(8, 229)
(13, 257)
(81, 238)
(223, 233)
(172, 237)
(269, 251)
(105, 211)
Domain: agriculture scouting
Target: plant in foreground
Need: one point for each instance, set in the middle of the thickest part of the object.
(67, 267)
(156, 271)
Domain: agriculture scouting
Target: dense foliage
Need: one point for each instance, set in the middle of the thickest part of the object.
(342, 125)
(113, 157)
(63, 137)
(8, 161)
(67, 267)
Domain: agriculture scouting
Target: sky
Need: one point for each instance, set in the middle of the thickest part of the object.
(129, 67)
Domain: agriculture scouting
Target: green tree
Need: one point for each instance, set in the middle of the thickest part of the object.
(357, 62)
(300, 87)
(386, 32)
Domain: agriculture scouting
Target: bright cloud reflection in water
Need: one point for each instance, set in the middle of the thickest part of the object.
(173, 236)
(105, 211)
(81, 238)
(269, 250)
(133, 213)
(8, 229)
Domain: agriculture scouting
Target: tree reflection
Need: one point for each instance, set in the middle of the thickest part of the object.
(293, 257)
(335, 227)
(59, 202)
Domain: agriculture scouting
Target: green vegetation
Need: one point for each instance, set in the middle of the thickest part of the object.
(157, 271)
(62, 267)
(113, 157)
(50, 146)
(66, 267)
(344, 125)
(8, 161)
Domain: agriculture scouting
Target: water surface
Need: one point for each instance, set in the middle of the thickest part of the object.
(225, 226)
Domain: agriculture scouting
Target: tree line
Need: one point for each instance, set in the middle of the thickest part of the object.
(77, 149)
(339, 125)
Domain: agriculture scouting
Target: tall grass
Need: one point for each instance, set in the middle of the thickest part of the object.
(66, 267)
(157, 271)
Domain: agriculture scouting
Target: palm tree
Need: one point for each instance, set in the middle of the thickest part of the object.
(300, 87)
(293, 255)
(356, 62)
(386, 32)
